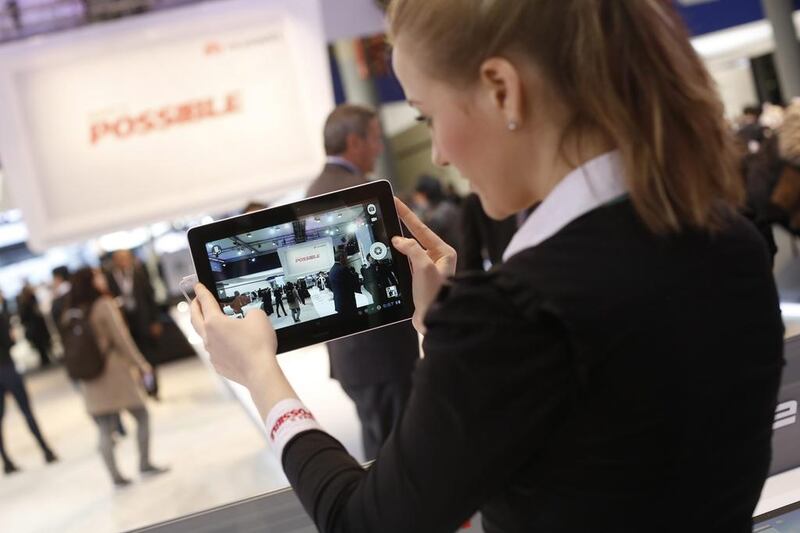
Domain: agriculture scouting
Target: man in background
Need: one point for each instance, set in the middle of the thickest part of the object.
(129, 282)
(61, 288)
(373, 368)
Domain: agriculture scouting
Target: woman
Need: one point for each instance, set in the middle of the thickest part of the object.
(619, 370)
(119, 387)
(11, 381)
(293, 299)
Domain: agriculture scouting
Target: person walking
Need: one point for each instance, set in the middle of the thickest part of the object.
(34, 323)
(115, 389)
(278, 292)
(293, 299)
(11, 382)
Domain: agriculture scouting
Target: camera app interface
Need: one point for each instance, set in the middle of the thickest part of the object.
(333, 263)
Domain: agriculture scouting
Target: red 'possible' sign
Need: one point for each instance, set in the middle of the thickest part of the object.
(125, 126)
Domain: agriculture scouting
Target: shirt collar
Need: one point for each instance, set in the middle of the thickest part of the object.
(586, 188)
(342, 162)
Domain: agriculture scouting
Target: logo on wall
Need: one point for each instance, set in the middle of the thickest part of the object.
(125, 126)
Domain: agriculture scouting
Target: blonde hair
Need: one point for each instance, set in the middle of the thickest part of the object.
(625, 69)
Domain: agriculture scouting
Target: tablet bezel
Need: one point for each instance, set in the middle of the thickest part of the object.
(775, 513)
(326, 328)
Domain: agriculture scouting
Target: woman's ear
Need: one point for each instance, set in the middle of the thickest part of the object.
(501, 82)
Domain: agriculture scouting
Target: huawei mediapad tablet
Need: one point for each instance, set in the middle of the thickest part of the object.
(321, 268)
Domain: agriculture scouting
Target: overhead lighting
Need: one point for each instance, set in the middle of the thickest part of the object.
(249, 235)
(340, 215)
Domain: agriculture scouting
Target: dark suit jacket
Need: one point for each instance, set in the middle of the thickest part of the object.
(344, 286)
(378, 356)
(146, 311)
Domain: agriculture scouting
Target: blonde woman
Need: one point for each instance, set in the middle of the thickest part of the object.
(618, 371)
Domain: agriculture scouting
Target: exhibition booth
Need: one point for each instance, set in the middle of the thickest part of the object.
(173, 118)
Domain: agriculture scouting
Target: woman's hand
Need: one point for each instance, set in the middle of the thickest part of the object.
(432, 261)
(241, 350)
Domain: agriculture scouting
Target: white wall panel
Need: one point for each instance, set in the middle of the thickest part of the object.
(178, 112)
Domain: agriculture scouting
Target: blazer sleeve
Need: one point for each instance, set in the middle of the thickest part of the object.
(117, 333)
(493, 386)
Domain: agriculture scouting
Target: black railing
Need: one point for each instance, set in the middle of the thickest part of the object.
(24, 18)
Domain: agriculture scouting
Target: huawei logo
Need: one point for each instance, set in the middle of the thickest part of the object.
(211, 48)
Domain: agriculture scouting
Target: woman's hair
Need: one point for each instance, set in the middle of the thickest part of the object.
(624, 68)
(82, 292)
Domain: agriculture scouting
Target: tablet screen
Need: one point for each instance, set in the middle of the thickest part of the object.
(335, 262)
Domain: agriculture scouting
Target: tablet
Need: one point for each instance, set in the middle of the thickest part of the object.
(321, 268)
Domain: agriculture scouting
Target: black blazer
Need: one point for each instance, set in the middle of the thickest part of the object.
(147, 311)
(606, 380)
(385, 354)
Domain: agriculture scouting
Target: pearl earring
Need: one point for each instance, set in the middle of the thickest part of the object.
(512, 125)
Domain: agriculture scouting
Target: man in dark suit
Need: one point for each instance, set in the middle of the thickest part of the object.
(344, 285)
(374, 368)
(61, 289)
(129, 282)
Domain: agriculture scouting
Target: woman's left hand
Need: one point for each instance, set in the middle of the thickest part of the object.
(241, 350)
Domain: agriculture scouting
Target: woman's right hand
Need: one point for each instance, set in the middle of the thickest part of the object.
(432, 261)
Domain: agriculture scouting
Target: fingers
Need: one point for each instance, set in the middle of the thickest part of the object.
(418, 229)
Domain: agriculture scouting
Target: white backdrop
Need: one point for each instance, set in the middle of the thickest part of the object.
(163, 115)
(308, 258)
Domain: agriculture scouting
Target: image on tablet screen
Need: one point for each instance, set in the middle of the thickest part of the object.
(333, 263)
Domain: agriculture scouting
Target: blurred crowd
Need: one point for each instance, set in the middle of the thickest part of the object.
(768, 139)
(106, 328)
(462, 223)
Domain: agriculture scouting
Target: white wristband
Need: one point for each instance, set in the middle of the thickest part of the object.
(285, 420)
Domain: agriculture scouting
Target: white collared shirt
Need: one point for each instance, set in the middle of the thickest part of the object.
(342, 162)
(586, 188)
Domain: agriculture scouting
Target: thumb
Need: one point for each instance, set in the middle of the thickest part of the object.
(208, 304)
